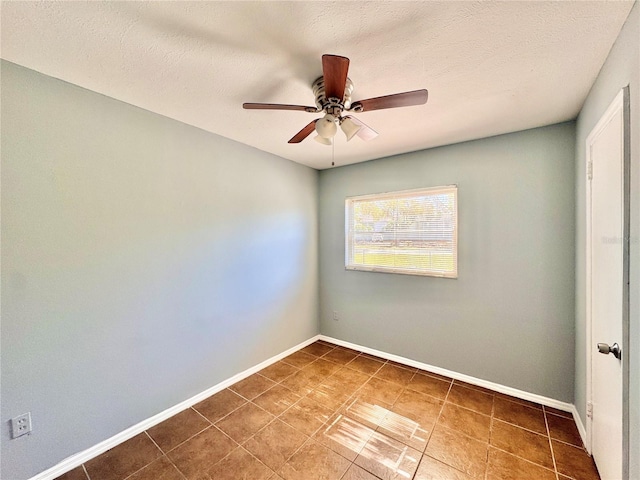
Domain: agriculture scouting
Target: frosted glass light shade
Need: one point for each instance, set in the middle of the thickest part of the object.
(350, 128)
(326, 126)
(322, 140)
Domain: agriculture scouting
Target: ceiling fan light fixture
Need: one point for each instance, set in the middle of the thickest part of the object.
(322, 140)
(350, 128)
(326, 126)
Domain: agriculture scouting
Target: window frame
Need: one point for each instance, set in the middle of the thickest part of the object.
(398, 195)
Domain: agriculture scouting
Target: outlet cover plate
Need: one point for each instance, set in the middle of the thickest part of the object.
(21, 425)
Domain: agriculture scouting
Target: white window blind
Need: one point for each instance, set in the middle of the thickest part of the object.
(413, 232)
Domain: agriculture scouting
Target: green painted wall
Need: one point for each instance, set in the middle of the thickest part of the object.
(143, 261)
(509, 317)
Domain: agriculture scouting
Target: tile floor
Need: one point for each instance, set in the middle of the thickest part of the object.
(327, 412)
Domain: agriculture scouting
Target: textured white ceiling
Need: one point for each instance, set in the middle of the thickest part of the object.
(490, 67)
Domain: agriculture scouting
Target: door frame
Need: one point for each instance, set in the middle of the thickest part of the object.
(620, 103)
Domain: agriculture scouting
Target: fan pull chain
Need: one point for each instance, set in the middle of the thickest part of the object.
(333, 153)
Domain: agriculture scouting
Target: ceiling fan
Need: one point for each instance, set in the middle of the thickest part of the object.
(333, 96)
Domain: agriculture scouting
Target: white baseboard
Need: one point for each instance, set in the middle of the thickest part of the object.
(532, 397)
(582, 430)
(82, 457)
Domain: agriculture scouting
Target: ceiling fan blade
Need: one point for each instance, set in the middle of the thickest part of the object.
(304, 133)
(406, 99)
(334, 71)
(277, 106)
(366, 132)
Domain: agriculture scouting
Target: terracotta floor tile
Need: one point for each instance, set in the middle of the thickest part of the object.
(125, 459)
(197, 455)
(219, 405)
(160, 469)
(314, 413)
(395, 374)
(276, 400)
(299, 359)
(523, 443)
(402, 365)
(302, 382)
(278, 371)
(252, 386)
(314, 462)
(363, 395)
(307, 416)
(357, 473)
(240, 465)
(429, 385)
(458, 451)
(244, 422)
(471, 398)
(432, 469)
(474, 387)
(422, 406)
(518, 400)
(75, 474)
(504, 466)
(574, 462)
(344, 436)
(365, 364)
(274, 444)
(565, 429)
(351, 378)
(387, 458)
(317, 349)
(177, 429)
(435, 375)
(341, 355)
(399, 426)
(365, 354)
(322, 367)
(330, 394)
(560, 413)
(465, 421)
(381, 389)
(520, 415)
(367, 412)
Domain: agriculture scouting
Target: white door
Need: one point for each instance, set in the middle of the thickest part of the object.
(605, 152)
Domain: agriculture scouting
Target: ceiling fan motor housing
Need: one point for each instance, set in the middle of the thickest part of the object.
(334, 106)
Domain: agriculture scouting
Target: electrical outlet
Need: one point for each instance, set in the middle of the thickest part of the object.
(21, 425)
(335, 316)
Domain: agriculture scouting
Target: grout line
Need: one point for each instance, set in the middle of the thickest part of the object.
(154, 442)
(553, 456)
(579, 447)
(176, 467)
(444, 401)
(523, 428)
(147, 464)
(523, 459)
(185, 441)
(225, 416)
(85, 471)
(493, 419)
(253, 456)
(210, 423)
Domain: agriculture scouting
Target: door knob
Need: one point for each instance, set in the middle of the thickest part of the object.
(614, 349)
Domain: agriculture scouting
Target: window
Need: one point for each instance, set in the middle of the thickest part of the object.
(413, 232)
